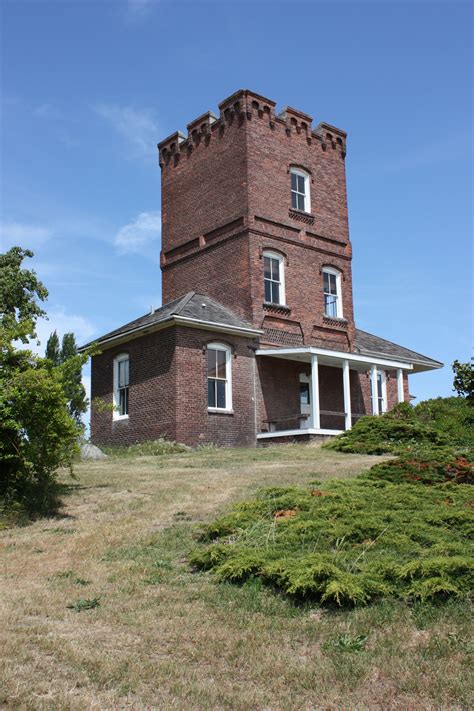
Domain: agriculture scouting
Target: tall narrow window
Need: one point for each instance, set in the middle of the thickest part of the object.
(219, 377)
(274, 278)
(300, 199)
(121, 386)
(332, 293)
(381, 391)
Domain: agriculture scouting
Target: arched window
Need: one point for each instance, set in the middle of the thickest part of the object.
(274, 277)
(121, 386)
(300, 195)
(332, 292)
(219, 377)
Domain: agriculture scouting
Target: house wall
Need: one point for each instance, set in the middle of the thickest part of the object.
(168, 391)
(152, 402)
(194, 424)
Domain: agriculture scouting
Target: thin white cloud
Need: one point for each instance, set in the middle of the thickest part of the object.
(141, 234)
(137, 126)
(140, 7)
(23, 233)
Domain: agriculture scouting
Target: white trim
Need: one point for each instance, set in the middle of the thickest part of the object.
(400, 388)
(346, 382)
(115, 396)
(228, 376)
(297, 433)
(374, 390)
(307, 193)
(314, 401)
(281, 273)
(212, 326)
(335, 272)
(336, 355)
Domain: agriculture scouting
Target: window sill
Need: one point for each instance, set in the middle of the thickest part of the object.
(337, 321)
(276, 307)
(219, 411)
(120, 418)
(301, 215)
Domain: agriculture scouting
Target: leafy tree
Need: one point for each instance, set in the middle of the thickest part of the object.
(70, 365)
(37, 433)
(71, 368)
(463, 382)
(53, 352)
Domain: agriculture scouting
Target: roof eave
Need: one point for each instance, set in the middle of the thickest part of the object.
(166, 323)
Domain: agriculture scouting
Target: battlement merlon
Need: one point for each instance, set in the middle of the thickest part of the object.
(241, 105)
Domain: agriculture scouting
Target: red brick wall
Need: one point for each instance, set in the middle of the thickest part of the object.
(235, 180)
(168, 391)
(195, 425)
(152, 406)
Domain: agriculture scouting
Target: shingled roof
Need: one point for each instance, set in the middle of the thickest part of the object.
(192, 309)
(368, 344)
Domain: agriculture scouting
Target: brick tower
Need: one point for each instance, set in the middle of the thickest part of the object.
(230, 195)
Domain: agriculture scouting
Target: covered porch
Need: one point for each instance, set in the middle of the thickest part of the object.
(332, 394)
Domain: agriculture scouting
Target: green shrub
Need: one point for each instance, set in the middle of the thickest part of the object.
(392, 432)
(348, 542)
(436, 466)
(453, 416)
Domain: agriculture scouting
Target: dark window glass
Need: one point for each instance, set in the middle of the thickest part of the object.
(211, 393)
(300, 202)
(221, 360)
(275, 292)
(268, 291)
(294, 201)
(304, 394)
(220, 393)
(294, 181)
(267, 267)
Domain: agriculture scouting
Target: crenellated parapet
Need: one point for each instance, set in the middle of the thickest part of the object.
(242, 106)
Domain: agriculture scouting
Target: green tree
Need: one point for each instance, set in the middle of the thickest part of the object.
(71, 367)
(463, 382)
(53, 352)
(37, 433)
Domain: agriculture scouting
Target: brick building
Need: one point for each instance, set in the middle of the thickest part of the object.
(256, 340)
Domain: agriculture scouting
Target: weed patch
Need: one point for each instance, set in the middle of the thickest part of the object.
(347, 643)
(84, 604)
(154, 448)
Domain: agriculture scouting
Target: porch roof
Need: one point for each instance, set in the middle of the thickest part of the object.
(369, 350)
(333, 358)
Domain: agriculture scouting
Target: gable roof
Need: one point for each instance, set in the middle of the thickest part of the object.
(368, 344)
(192, 309)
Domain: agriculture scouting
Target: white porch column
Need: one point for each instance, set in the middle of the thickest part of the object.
(401, 394)
(315, 416)
(375, 390)
(347, 394)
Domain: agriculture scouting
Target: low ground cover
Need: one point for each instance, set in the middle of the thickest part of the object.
(100, 608)
(348, 542)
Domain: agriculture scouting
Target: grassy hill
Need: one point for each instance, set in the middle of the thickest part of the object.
(101, 609)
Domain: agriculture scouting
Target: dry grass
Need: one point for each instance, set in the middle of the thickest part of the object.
(165, 638)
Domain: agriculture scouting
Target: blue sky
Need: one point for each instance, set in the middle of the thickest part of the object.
(89, 88)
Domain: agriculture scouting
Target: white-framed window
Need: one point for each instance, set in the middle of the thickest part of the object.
(219, 377)
(381, 391)
(300, 196)
(274, 277)
(121, 386)
(332, 292)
